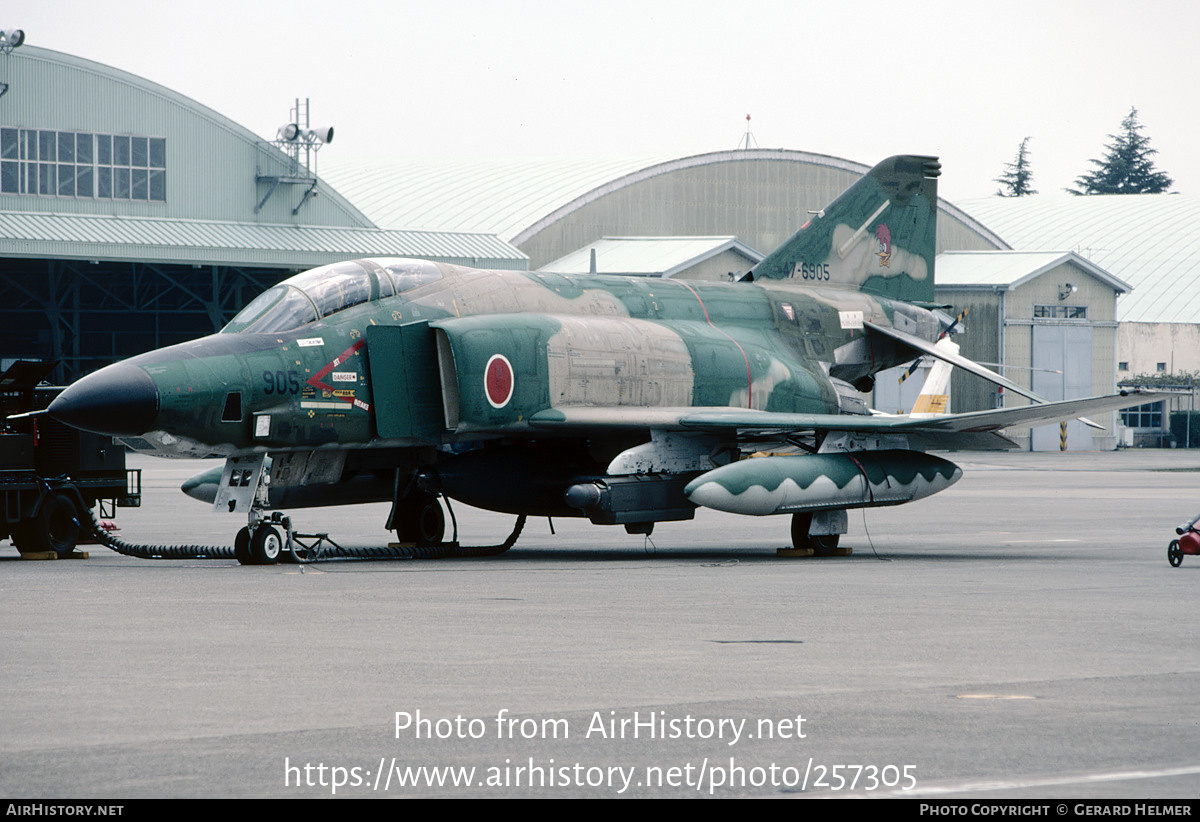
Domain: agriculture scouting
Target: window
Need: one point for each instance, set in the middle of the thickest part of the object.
(1143, 416)
(1060, 312)
(10, 155)
(81, 164)
(1123, 366)
(1162, 366)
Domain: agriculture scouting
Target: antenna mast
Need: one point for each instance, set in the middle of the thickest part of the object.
(748, 142)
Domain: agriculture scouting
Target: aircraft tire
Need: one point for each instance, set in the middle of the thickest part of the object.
(1174, 554)
(422, 521)
(825, 545)
(822, 545)
(241, 547)
(266, 544)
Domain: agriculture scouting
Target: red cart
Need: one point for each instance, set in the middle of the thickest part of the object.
(1188, 543)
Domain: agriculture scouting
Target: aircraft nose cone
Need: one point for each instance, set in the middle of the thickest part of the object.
(120, 400)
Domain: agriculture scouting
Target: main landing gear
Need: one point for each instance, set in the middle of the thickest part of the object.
(818, 533)
(418, 519)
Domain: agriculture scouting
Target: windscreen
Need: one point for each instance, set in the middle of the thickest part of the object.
(277, 309)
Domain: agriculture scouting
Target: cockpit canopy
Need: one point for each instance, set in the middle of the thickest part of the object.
(312, 295)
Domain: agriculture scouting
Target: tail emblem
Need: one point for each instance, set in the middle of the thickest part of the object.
(883, 242)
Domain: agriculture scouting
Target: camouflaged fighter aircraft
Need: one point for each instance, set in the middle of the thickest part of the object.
(626, 400)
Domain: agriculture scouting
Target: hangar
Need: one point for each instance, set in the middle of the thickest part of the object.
(132, 217)
(553, 207)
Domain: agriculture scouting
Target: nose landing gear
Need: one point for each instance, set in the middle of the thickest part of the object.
(261, 545)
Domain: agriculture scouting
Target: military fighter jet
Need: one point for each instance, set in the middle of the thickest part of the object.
(624, 400)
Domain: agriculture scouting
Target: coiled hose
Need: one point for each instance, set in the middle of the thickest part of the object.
(450, 550)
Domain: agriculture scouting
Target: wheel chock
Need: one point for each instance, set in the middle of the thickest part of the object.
(840, 551)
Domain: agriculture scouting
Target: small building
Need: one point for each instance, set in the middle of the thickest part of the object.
(1145, 240)
(1044, 319)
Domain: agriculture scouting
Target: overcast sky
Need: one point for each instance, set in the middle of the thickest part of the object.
(861, 80)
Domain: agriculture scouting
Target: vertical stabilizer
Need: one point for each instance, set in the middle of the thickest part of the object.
(879, 236)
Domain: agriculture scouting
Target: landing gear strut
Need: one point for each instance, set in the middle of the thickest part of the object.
(823, 545)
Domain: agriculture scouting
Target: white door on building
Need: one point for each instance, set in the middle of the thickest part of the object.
(1065, 348)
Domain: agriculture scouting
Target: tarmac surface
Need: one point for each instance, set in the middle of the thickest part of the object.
(1020, 635)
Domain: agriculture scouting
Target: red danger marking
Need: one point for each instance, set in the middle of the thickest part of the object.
(316, 379)
(498, 381)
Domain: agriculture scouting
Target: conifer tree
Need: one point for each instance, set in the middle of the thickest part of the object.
(1017, 178)
(1127, 167)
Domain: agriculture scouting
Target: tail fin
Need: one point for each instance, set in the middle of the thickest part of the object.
(879, 236)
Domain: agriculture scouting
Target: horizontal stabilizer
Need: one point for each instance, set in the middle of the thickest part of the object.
(959, 361)
(952, 357)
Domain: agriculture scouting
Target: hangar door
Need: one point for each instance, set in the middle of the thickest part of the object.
(1065, 348)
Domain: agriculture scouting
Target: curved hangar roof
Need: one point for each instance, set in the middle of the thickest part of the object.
(549, 208)
(100, 164)
(1144, 239)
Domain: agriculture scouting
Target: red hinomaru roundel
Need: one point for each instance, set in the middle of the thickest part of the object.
(498, 381)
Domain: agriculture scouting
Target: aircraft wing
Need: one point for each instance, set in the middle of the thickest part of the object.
(974, 429)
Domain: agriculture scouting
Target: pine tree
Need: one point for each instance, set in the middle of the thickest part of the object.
(1127, 168)
(1017, 177)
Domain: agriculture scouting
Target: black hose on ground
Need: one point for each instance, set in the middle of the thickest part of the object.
(443, 551)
